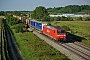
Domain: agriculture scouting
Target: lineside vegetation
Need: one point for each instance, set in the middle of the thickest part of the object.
(33, 48)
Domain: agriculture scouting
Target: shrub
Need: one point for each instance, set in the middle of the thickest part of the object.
(19, 28)
(66, 27)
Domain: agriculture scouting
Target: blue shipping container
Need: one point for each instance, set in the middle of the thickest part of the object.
(38, 26)
(32, 23)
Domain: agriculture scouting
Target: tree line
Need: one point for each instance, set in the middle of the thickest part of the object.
(83, 9)
(50, 19)
(41, 13)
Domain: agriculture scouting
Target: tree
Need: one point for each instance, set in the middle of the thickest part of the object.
(70, 18)
(1, 13)
(16, 13)
(57, 18)
(70, 9)
(64, 18)
(39, 13)
(11, 20)
(79, 18)
(46, 18)
(87, 18)
(51, 18)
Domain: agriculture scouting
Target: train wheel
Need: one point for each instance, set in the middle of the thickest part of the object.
(64, 40)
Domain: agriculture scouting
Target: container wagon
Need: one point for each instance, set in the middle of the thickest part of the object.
(23, 20)
(39, 25)
(32, 23)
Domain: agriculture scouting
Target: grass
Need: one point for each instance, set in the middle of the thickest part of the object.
(79, 28)
(33, 48)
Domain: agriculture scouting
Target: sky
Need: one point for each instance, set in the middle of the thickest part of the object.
(30, 5)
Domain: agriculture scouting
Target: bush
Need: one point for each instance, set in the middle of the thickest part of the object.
(87, 19)
(19, 28)
(66, 27)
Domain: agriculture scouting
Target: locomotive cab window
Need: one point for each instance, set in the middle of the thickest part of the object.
(54, 31)
(60, 31)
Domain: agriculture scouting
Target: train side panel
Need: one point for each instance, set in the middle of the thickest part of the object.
(48, 31)
(38, 26)
(55, 33)
(23, 19)
(32, 23)
(27, 22)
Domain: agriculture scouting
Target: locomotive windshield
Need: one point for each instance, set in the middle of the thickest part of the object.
(60, 31)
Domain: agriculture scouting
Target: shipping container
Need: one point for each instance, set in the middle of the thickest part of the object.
(27, 21)
(23, 19)
(32, 23)
(38, 26)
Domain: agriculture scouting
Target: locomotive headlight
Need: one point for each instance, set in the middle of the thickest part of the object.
(61, 35)
(64, 35)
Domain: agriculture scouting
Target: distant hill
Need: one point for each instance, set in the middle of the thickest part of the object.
(83, 9)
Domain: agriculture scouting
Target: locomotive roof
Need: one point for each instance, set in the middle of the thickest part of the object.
(52, 27)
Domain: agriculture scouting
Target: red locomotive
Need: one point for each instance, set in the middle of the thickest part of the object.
(55, 32)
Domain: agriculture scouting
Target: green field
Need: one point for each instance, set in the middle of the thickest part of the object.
(33, 48)
(79, 28)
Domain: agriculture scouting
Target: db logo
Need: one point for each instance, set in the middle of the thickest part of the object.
(48, 31)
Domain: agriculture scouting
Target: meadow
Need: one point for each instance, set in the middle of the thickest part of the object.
(78, 28)
(33, 48)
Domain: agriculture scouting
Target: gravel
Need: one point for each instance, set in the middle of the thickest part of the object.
(63, 50)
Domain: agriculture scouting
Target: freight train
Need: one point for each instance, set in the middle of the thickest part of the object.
(55, 32)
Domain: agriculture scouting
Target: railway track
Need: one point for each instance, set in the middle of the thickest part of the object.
(78, 51)
(77, 48)
(79, 44)
(83, 46)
